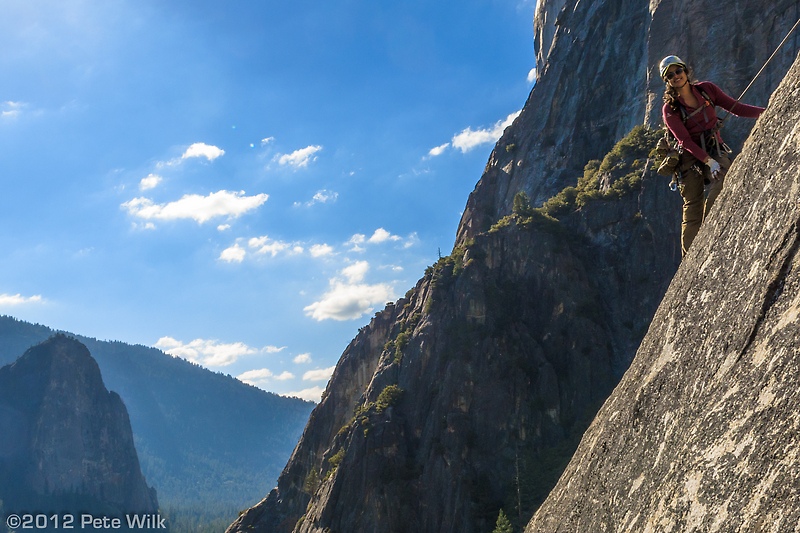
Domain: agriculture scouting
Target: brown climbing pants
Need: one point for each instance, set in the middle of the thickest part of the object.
(699, 192)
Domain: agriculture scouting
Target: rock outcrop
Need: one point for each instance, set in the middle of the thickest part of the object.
(66, 441)
(469, 395)
(597, 65)
(703, 432)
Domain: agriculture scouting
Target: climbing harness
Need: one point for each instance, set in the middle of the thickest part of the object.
(710, 138)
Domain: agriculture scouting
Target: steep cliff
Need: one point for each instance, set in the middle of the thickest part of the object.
(598, 77)
(702, 433)
(66, 441)
(182, 415)
(469, 395)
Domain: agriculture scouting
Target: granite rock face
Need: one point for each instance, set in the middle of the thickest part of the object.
(64, 439)
(597, 65)
(703, 432)
(469, 394)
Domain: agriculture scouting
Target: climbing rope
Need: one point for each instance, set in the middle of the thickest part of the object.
(719, 125)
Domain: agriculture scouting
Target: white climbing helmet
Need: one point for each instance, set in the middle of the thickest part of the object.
(668, 62)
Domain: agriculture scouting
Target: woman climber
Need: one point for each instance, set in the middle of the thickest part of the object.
(689, 113)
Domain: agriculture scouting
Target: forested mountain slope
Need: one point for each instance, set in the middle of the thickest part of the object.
(207, 442)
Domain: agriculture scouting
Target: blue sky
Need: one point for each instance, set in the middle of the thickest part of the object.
(243, 183)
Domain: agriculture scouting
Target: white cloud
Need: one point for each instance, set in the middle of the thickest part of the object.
(233, 254)
(469, 138)
(320, 197)
(196, 207)
(223, 227)
(320, 250)
(320, 374)
(10, 110)
(272, 349)
(411, 240)
(349, 298)
(264, 245)
(299, 158)
(205, 352)
(438, 150)
(150, 182)
(9, 300)
(262, 376)
(356, 272)
(203, 150)
(265, 141)
(381, 235)
(314, 394)
(358, 238)
(302, 359)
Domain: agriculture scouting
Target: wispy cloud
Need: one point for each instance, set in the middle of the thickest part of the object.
(468, 139)
(314, 394)
(263, 376)
(320, 250)
(299, 158)
(379, 236)
(10, 110)
(302, 359)
(233, 254)
(265, 246)
(150, 182)
(208, 151)
(320, 374)
(320, 197)
(196, 207)
(211, 353)
(438, 150)
(348, 298)
(11, 300)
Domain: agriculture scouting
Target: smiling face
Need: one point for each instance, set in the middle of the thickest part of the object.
(676, 76)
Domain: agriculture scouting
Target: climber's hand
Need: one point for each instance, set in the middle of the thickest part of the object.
(714, 167)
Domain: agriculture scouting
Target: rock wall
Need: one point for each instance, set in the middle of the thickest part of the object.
(469, 395)
(597, 78)
(499, 358)
(703, 434)
(65, 441)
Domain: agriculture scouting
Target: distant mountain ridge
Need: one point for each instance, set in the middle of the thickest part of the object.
(65, 441)
(197, 433)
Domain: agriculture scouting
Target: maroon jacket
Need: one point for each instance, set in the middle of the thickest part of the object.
(689, 134)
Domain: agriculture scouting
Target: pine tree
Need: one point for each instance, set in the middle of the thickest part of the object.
(503, 524)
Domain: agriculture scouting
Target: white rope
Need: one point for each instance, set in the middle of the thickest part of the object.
(762, 70)
(770, 58)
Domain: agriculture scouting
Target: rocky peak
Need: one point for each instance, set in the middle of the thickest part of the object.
(702, 433)
(64, 438)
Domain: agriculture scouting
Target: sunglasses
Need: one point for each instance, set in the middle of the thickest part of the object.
(678, 71)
